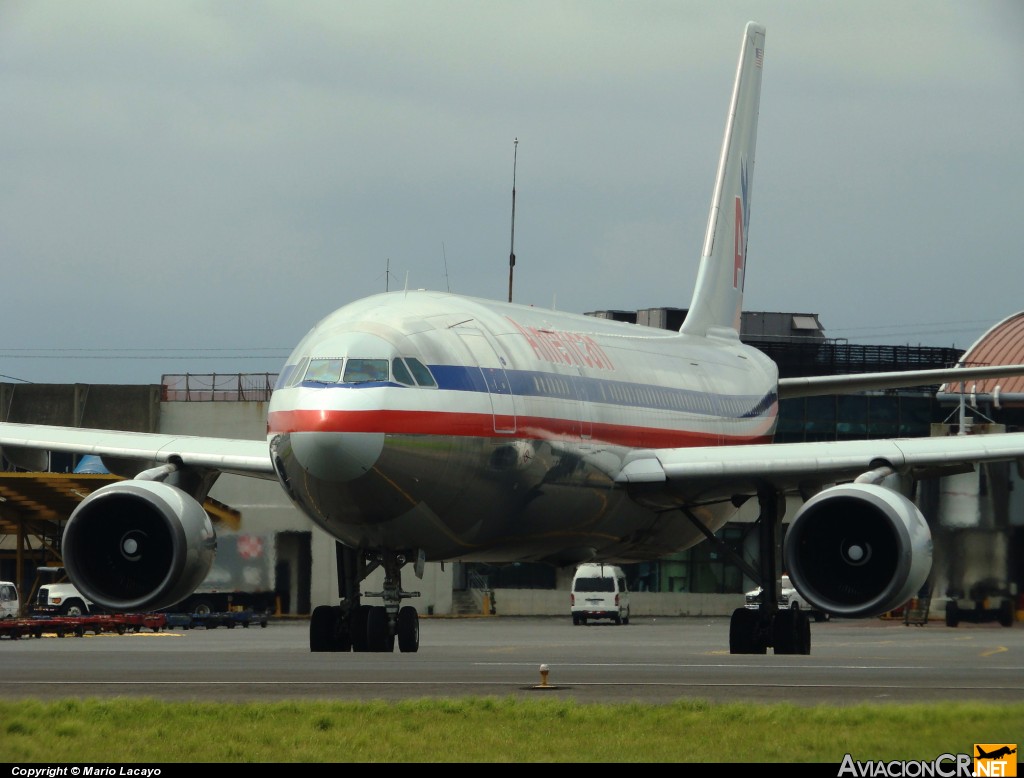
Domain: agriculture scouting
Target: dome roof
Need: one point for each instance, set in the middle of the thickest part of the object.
(1003, 344)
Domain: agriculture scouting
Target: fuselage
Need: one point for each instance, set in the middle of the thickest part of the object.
(458, 428)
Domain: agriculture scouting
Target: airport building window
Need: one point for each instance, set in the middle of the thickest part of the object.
(838, 417)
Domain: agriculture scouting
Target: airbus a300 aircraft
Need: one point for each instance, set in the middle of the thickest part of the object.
(425, 426)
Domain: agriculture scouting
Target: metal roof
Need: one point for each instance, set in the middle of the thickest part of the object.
(1003, 344)
(29, 498)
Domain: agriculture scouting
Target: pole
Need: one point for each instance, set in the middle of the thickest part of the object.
(512, 245)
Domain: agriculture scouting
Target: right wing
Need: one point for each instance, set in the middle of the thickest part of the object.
(226, 455)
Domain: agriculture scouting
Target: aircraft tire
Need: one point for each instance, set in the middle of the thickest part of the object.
(408, 630)
(1006, 613)
(360, 617)
(803, 626)
(378, 637)
(952, 614)
(785, 634)
(321, 628)
(743, 633)
(341, 639)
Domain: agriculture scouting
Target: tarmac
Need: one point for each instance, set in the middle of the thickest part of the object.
(650, 660)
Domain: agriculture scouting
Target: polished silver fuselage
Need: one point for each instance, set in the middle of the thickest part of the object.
(513, 454)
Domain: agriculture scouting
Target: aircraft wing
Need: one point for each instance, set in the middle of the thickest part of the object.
(793, 465)
(228, 455)
(809, 386)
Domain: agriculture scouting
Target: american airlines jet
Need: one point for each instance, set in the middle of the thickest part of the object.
(421, 426)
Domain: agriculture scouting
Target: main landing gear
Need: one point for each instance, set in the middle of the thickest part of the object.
(352, 626)
(787, 630)
(753, 630)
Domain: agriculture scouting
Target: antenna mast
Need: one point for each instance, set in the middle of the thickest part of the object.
(512, 245)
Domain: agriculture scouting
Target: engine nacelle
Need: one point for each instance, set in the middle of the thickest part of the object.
(858, 550)
(138, 545)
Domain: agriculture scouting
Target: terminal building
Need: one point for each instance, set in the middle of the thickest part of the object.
(977, 517)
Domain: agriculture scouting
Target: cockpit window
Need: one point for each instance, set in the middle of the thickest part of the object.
(295, 376)
(359, 371)
(401, 372)
(419, 370)
(324, 371)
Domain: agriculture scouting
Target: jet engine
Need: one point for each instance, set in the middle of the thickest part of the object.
(138, 545)
(858, 550)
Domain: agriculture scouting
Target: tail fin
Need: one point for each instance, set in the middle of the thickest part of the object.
(718, 296)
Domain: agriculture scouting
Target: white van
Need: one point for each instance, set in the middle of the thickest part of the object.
(10, 603)
(599, 592)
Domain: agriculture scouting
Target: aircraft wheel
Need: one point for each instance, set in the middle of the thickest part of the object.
(785, 636)
(378, 637)
(408, 630)
(321, 628)
(1006, 613)
(358, 628)
(341, 637)
(743, 638)
(952, 614)
(803, 628)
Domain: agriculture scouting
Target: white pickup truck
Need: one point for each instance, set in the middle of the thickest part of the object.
(63, 599)
(788, 598)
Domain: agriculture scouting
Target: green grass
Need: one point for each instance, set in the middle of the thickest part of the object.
(492, 730)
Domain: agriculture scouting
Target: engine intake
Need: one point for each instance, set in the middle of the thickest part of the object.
(858, 550)
(138, 545)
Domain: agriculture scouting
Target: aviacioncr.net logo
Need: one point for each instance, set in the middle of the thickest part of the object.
(995, 759)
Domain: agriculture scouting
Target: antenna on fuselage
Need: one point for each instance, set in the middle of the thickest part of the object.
(512, 245)
(387, 273)
(445, 254)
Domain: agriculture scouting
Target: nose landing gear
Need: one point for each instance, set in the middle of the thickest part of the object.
(353, 626)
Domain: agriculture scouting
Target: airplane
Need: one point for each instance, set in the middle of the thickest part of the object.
(1001, 751)
(424, 426)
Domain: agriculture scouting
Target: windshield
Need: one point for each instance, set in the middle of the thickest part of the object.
(595, 584)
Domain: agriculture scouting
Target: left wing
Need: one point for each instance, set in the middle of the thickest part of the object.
(810, 386)
(859, 545)
(226, 455)
(788, 465)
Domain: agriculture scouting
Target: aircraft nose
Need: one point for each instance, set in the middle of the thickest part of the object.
(336, 456)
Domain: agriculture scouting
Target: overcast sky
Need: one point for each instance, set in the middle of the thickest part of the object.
(189, 186)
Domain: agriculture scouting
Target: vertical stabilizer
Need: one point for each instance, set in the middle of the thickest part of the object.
(718, 296)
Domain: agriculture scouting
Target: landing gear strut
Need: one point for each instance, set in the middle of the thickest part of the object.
(752, 631)
(353, 626)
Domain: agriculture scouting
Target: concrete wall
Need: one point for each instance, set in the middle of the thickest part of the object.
(547, 602)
